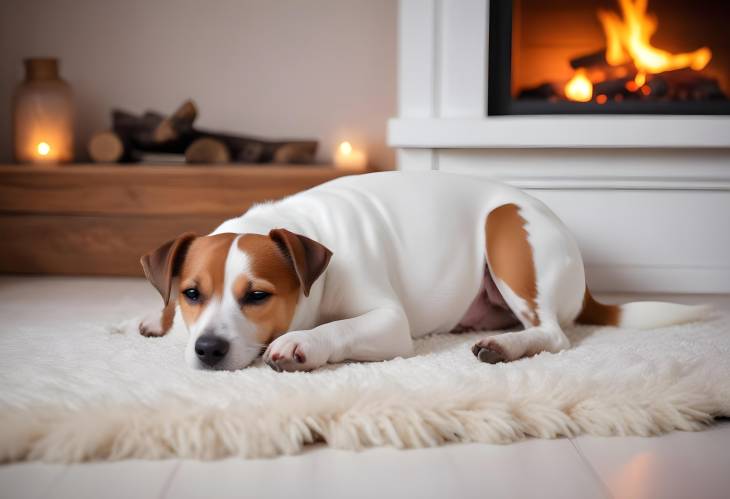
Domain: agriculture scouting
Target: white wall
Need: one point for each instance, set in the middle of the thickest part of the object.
(279, 68)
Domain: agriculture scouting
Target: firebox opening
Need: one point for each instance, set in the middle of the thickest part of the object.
(609, 57)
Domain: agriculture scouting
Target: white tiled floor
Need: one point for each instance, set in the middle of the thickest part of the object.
(678, 465)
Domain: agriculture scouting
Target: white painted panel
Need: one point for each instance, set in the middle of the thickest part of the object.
(659, 279)
(416, 159)
(595, 168)
(673, 238)
(655, 228)
(463, 58)
(416, 58)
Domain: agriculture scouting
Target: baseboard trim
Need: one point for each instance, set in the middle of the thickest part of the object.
(658, 279)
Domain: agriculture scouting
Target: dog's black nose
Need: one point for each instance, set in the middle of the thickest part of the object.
(211, 349)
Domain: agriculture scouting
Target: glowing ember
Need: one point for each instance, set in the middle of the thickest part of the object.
(629, 39)
(579, 88)
(640, 79)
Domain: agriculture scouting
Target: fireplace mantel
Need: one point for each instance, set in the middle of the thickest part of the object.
(647, 197)
(562, 132)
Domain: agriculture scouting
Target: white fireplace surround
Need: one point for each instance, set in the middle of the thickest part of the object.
(648, 197)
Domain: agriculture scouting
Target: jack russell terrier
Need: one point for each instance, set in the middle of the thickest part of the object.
(355, 268)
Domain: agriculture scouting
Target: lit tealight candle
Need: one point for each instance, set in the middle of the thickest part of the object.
(350, 159)
(43, 149)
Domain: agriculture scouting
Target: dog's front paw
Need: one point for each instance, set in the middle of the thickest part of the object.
(151, 326)
(296, 351)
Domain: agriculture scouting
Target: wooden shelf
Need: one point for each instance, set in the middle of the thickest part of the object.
(145, 190)
(99, 220)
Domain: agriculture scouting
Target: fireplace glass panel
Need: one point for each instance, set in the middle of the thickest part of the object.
(610, 56)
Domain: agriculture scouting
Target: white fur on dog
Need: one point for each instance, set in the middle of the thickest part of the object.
(87, 393)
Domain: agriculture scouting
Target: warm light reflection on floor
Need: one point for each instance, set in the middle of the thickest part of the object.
(633, 480)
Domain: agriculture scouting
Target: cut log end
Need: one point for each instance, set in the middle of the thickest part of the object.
(207, 150)
(105, 147)
(295, 153)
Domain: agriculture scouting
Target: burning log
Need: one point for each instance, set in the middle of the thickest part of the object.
(658, 86)
(599, 69)
(544, 91)
(595, 59)
(611, 88)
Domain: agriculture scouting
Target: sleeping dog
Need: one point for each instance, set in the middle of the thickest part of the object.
(356, 268)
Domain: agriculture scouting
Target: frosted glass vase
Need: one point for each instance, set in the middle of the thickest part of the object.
(43, 115)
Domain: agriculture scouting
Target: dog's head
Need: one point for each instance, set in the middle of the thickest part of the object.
(237, 292)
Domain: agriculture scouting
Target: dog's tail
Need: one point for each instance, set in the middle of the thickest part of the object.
(640, 314)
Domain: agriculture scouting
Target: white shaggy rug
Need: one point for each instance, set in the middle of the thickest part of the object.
(89, 392)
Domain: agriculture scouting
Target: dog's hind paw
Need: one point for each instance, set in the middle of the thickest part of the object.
(489, 351)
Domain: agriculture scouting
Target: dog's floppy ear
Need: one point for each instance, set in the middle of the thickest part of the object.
(163, 265)
(309, 257)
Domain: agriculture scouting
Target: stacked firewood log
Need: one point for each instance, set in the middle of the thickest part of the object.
(133, 138)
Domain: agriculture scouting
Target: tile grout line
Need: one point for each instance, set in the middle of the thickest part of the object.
(168, 482)
(591, 469)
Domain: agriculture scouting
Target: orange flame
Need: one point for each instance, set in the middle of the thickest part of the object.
(579, 88)
(629, 39)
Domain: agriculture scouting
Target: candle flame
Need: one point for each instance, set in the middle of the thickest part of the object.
(43, 148)
(579, 88)
(346, 148)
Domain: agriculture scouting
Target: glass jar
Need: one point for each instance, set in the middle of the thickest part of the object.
(43, 115)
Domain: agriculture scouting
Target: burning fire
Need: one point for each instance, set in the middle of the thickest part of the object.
(579, 88)
(632, 35)
(628, 40)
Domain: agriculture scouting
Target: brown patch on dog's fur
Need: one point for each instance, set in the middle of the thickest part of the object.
(162, 265)
(271, 271)
(309, 257)
(204, 268)
(510, 256)
(597, 313)
(168, 316)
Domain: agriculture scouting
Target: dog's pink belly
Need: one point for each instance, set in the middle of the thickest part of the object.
(488, 311)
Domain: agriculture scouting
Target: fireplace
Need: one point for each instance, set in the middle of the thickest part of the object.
(630, 187)
(609, 57)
